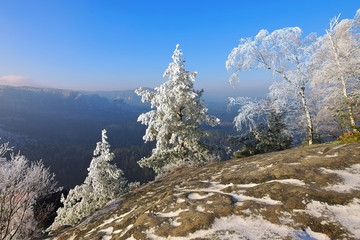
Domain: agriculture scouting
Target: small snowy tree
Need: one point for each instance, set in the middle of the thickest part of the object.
(262, 126)
(286, 54)
(103, 183)
(21, 184)
(175, 122)
(337, 62)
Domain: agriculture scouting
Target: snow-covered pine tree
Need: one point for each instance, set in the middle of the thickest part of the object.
(259, 136)
(103, 183)
(176, 120)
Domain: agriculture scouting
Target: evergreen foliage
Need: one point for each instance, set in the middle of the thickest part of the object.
(175, 121)
(268, 137)
(103, 183)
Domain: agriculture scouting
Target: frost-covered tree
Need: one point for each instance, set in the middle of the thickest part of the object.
(21, 184)
(103, 183)
(337, 62)
(262, 126)
(286, 54)
(175, 121)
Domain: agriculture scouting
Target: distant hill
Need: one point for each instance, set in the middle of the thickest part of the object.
(61, 127)
(304, 193)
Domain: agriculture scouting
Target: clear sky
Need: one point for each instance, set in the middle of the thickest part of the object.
(118, 45)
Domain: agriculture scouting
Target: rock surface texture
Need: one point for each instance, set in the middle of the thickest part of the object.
(303, 193)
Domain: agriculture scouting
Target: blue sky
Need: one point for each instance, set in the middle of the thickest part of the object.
(115, 45)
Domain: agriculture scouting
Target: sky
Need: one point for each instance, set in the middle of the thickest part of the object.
(120, 45)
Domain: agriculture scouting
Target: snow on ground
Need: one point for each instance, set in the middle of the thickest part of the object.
(216, 187)
(108, 231)
(350, 176)
(333, 155)
(196, 196)
(126, 230)
(346, 215)
(200, 209)
(238, 227)
(171, 214)
(339, 146)
(296, 182)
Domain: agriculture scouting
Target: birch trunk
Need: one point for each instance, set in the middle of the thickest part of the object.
(343, 84)
(310, 129)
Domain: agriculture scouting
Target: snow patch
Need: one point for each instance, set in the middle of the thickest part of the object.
(289, 181)
(120, 218)
(200, 209)
(127, 229)
(339, 146)
(249, 185)
(196, 196)
(309, 234)
(171, 214)
(346, 215)
(331, 156)
(350, 176)
(175, 223)
(216, 188)
(108, 231)
(238, 227)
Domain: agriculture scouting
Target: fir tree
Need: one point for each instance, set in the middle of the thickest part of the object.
(175, 121)
(103, 183)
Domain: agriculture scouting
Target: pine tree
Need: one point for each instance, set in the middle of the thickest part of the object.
(175, 122)
(265, 137)
(103, 183)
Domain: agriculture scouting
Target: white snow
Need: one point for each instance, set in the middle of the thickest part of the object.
(180, 200)
(350, 176)
(289, 181)
(346, 215)
(175, 222)
(339, 146)
(200, 209)
(127, 229)
(108, 231)
(249, 185)
(334, 155)
(196, 196)
(309, 234)
(171, 214)
(120, 218)
(110, 220)
(217, 187)
(238, 227)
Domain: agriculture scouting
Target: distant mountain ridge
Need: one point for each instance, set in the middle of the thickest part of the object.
(61, 127)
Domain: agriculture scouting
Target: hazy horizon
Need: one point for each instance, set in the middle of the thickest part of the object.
(112, 45)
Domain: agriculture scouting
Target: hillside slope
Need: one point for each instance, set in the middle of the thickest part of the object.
(303, 193)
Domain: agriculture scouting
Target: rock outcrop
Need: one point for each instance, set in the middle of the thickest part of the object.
(303, 193)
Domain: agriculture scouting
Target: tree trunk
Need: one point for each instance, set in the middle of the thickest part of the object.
(310, 129)
(349, 107)
(343, 84)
